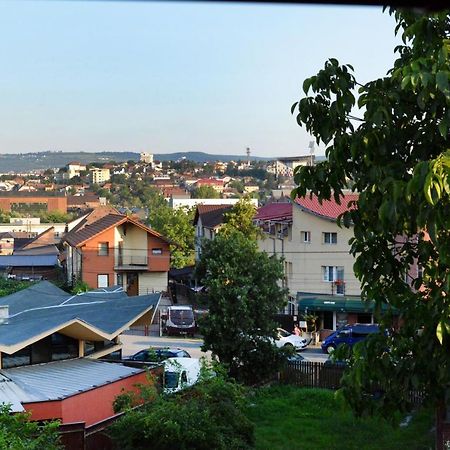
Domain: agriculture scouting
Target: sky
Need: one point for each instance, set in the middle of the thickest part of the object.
(168, 77)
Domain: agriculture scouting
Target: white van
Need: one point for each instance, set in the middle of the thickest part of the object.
(180, 373)
(180, 320)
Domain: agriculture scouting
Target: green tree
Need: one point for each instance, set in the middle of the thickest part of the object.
(19, 433)
(396, 156)
(205, 192)
(176, 225)
(244, 294)
(240, 218)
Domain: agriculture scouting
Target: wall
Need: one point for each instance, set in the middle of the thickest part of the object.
(91, 406)
(93, 264)
(53, 203)
(152, 282)
(308, 258)
(158, 263)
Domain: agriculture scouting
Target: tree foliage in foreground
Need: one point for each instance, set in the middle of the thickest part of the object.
(19, 433)
(244, 294)
(240, 218)
(209, 415)
(397, 157)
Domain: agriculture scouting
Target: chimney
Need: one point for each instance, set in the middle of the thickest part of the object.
(4, 313)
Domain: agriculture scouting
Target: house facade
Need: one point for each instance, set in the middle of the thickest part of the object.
(207, 221)
(108, 248)
(318, 266)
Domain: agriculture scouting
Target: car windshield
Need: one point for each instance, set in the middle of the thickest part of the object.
(171, 379)
(180, 316)
(283, 333)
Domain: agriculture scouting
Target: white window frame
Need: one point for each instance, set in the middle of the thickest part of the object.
(306, 237)
(330, 235)
(334, 271)
(101, 278)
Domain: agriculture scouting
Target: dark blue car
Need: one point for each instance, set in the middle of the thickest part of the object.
(349, 334)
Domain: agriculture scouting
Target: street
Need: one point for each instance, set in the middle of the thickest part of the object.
(132, 344)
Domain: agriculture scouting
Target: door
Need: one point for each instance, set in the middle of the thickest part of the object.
(132, 283)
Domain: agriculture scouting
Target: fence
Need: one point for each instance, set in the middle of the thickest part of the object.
(324, 375)
(312, 374)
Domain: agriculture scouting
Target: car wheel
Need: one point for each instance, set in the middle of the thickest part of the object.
(331, 349)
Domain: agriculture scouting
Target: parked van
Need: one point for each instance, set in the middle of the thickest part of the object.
(180, 373)
(180, 320)
(349, 334)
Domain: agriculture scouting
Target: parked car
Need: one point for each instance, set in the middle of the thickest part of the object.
(180, 373)
(158, 354)
(286, 339)
(349, 334)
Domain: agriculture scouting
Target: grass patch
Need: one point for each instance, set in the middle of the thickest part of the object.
(293, 418)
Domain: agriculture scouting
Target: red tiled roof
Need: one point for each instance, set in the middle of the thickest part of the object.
(275, 211)
(329, 208)
(209, 181)
(101, 220)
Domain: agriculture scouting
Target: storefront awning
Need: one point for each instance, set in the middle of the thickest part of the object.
(317, 302)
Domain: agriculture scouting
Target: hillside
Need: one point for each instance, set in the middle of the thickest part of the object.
(25, 162)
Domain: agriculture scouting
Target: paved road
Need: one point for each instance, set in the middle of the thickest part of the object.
(132, 344)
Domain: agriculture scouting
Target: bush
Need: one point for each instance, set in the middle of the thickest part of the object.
(17, 432)
(207, 416)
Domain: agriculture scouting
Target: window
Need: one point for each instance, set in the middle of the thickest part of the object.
(120, 279)
(329, 238)
(102, 280)
(333, 273)
(156, 251)
(103, 248)
(306, 236)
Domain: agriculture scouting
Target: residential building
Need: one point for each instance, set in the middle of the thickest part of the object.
(286, 166)
(108, 248)
(207, 222)
(6, 243)
(216, 184)
(74, 169)
(193, 202)
(318, 265)
(99, 175)
(146, 158)
(50, 343)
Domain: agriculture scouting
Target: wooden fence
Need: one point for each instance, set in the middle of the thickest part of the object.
(324, 375)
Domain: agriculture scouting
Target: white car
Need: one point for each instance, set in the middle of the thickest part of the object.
(286, 339)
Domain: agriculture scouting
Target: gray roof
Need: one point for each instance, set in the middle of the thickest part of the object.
(60, 379)
(39, 294)
(40, 310)
(11, 394)
(29, 260)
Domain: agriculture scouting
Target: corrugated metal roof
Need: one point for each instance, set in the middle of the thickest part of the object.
(11, 394)
(61, 379)
(28, 260)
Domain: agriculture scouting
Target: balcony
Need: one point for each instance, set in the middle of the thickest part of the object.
(131, 261)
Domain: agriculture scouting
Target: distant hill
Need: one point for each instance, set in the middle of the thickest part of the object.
(25, 162)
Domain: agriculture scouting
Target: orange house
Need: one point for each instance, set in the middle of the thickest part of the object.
(108, 248)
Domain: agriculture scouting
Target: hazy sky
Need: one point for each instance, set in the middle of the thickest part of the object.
(167, 77)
